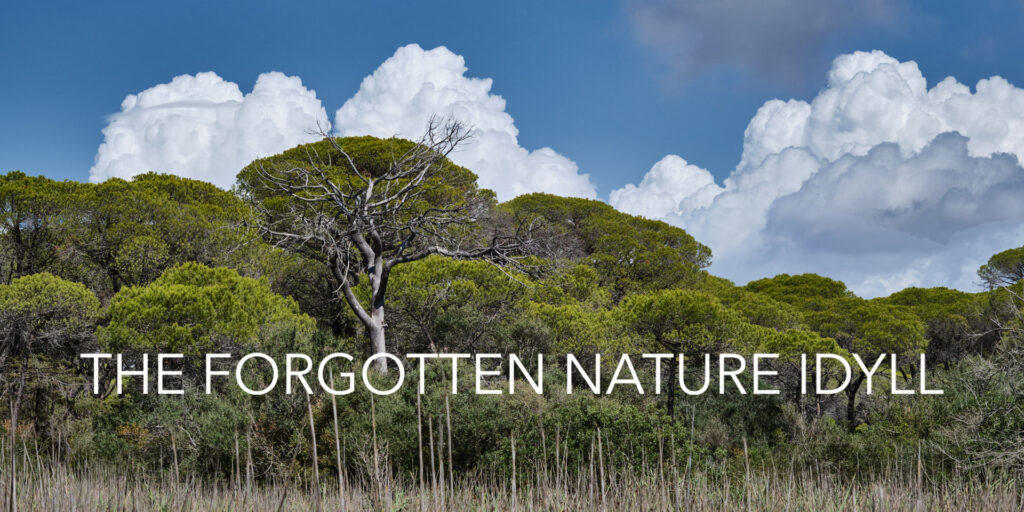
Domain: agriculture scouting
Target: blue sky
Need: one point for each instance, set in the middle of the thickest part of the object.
(667, 105)
(575, 74)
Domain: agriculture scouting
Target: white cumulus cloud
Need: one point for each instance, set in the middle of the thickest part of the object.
(872, 98)
(878, 180)
(669, 183)
(202, 126)
(414, 84)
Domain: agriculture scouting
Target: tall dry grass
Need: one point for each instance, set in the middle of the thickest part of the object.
(671, 481)
(669, 484)
(55, 487)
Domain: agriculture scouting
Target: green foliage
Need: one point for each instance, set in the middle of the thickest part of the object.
(483, 425)
(681, 320)
(631, 254)
(44, 314)
(760, 309)
(194, 309)
(805, 291)
(1004, 268)
(571, 308)
(953, 320)
(452, 186)
(173, 258)
(440, 304)
(935, 303)
(37, 216)
(371, 155)
(574, 283)
(865, 327)
(870, 328)
(360, 206)
(164, 219)
(575, 327)
(45, 322)
(118, 232)
(790, 344)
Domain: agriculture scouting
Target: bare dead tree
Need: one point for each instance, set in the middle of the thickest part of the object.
(362, 222)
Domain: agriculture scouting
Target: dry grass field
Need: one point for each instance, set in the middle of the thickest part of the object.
(658, 486)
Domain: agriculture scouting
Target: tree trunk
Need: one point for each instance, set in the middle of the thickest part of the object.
(798, 399)
(373, 320)
(378, 346)
(672, 383)
(15, 405)
(377, 340)
(908, 374)
(851, 404)
(12, 485)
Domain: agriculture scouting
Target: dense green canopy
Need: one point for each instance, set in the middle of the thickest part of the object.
(165, 264)
(631, 254)
(118, 232)
(195, 309)
(42, 314)
(1004, 268)
(450, 187)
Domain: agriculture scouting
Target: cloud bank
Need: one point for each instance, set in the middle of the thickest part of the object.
(202, 126)
(879, 181)
(407, 89)
(780, 39)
